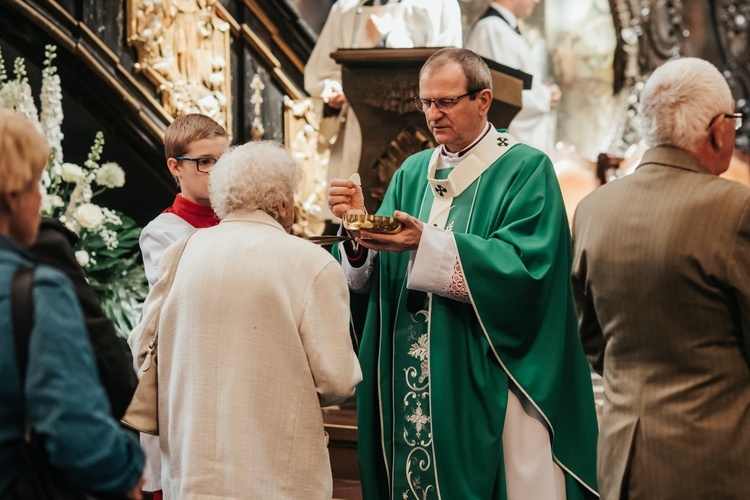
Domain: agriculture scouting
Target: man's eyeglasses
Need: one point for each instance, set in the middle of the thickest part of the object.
(443, 104)
(203, 165)
(735, 117)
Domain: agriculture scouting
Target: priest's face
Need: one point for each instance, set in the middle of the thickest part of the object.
(456, 127)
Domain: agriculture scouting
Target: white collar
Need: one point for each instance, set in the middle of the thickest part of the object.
(507, 14)
(486, 153)
(453, 159)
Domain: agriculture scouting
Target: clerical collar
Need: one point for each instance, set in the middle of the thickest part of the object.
(197, 215)
(451, 159)
(506, 15)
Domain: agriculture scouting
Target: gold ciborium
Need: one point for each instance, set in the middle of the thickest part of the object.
(369, 222)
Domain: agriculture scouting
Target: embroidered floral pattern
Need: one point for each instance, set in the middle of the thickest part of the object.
(416, 487)
(420, 350)
(417, 432)
(419, 419)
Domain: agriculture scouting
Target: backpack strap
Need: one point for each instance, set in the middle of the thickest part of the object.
(22, 307)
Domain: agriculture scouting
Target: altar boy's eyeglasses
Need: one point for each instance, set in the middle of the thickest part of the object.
(204, 165)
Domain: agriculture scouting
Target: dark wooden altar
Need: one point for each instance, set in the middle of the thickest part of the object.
(380, 84)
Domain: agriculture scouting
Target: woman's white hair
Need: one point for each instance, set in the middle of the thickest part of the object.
(679, 100)
(255, 175)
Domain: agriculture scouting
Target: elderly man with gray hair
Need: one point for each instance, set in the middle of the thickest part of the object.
(661, 275)
(253, 341)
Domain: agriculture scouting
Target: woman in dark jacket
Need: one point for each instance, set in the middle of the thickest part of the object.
(61, 393)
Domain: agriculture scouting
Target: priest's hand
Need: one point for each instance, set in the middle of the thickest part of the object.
(344, 195)
(406, 239)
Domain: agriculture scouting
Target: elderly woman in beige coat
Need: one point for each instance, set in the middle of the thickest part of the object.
(253, 341)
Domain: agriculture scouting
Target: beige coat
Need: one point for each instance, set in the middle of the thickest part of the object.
(253, 340)
(662, 279)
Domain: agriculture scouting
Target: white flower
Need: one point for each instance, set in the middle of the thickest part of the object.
(89, 216)
(71, 172)
(51, 116)
(50, 202)
(110, 238)
(82, 256)
(110, 175)
(111, 217)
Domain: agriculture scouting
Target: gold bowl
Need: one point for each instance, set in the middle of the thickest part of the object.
(374, 223)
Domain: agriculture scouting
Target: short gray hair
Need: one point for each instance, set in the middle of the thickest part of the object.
(255, 175)
(477, 73)
(679, 100)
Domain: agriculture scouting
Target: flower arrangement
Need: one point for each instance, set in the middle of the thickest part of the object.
(107, 246)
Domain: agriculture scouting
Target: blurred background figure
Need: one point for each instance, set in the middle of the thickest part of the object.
(61, 395)
(497, 36)
(362, 24)
(661, 275)
(253, 341)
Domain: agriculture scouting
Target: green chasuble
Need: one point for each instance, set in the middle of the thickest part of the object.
(431, 407)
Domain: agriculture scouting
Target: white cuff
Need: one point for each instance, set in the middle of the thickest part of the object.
(358, 277)
(432, 263)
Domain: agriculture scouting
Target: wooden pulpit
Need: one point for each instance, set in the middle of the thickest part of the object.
(380, 85)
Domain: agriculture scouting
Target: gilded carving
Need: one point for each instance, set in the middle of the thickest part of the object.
(183, 48)
(307, 138)
(257, 130)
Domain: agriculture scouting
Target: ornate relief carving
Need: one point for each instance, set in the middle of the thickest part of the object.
(653, 31)
(183, 48)
(650, 33)
(409, 141)
(394, 95)
(733, 27)
(257, 130)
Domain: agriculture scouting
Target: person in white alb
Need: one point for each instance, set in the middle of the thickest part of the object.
(192, 144)
(367, 24)
(496, 36)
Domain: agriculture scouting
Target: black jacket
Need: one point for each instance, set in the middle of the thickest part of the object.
(54, 247)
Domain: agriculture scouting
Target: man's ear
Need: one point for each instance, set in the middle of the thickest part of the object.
(174, 167)
(485, 98)
(716, 135)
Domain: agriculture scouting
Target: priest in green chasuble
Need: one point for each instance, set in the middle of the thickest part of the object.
(475, 383)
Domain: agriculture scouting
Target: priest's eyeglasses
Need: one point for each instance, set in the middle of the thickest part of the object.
(443, 104)
(735, 117)
(204, 165)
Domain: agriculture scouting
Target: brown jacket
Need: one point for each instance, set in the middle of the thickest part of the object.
(661, 274)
